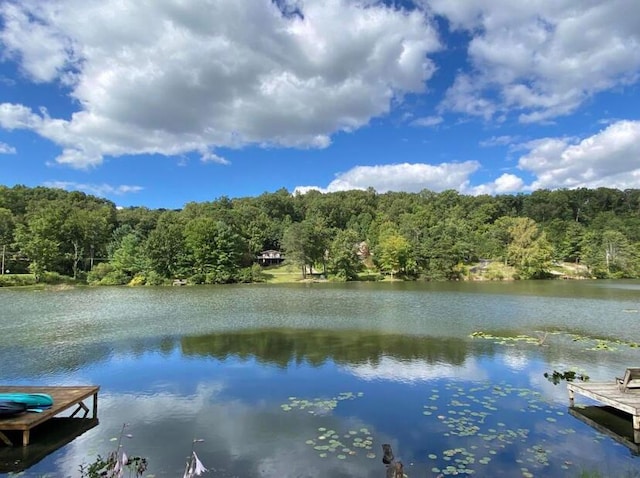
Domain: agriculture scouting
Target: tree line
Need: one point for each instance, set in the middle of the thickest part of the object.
(428, 235)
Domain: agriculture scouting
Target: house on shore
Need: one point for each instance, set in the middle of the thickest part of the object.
(270, 258)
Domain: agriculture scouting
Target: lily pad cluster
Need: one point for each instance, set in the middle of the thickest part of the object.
(592, 343)
(330, 442)
(318, 405)
(470, 412)
(509, 340)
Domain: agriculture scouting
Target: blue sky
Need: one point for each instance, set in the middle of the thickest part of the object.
(161, 103)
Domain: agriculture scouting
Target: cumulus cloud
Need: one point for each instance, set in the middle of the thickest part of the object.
(6, 149)
(540, 59)
(411, 177)
(95, 189)
(506, 184)
(610, 158)
(173, 78)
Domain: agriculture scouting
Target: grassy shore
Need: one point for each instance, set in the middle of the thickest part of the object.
(483, 271)
(289, 273)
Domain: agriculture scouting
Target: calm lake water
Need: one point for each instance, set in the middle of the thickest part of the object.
(310, 380)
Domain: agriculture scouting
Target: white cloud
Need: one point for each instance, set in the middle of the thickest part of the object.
(506, 184)
(411, 371)
(6, 149)
(171, 78)
(211, 157)
(543, 58)
(610, 158)
(95, 189)
(401, 177)
(427, 121)
(504, 140)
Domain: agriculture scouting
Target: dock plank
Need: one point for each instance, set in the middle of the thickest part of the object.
(63, 399)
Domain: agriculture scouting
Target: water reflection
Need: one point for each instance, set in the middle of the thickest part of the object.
(488, 426)
(45, 439)
(283, 346)
(610, 422)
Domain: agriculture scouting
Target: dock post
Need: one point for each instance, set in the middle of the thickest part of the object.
(95, 405)
(636, 422)
(571, 396)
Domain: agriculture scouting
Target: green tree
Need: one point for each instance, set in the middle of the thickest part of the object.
(343, 255)
(609, 254)
(7, 227)
(297, 245)
(165, 246)
(528, 250)
(215, 249)
(39, 237)
(84, 229)
(306, 243)
(393, 251)
(35, 242)
(128, 258)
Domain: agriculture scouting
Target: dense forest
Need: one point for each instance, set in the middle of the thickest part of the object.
(433, 236)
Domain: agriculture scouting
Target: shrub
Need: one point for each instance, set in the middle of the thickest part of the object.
(220, 277)
(252, 274)
(197, 279)
(53, 278)
(114, 278)
(14, 280)
(99, 272)
(138, 279)
(153, 278)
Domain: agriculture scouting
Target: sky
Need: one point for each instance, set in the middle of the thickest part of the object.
(160, 103)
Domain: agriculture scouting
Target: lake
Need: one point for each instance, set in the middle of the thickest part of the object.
(308, 380)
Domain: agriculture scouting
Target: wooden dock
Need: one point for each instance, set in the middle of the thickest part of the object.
(610, 394)
(63, 399)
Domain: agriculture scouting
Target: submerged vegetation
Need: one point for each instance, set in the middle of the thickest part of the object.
(556, 377)
(544, 338)
(347, 235)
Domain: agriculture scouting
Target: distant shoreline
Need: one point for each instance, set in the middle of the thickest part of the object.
(474, 273)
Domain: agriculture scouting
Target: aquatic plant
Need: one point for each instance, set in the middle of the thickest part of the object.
(591, 343)
(569, 375)
(194, 465)
(318, 405)
(118, 462)
(469, 414)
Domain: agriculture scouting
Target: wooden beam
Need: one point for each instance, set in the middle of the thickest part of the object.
(5, 439)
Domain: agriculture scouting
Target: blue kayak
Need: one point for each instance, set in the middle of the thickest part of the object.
(33, 402)
(9, 409)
